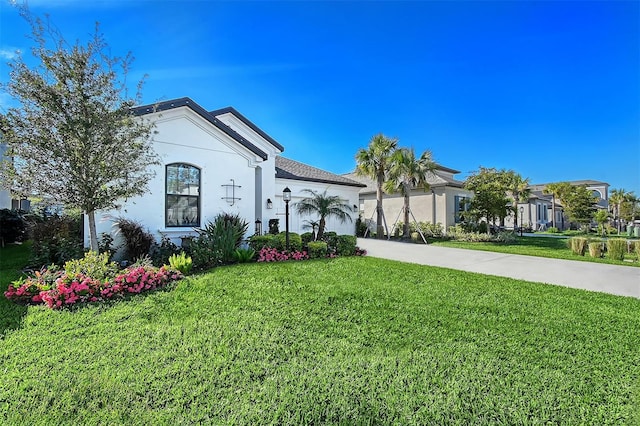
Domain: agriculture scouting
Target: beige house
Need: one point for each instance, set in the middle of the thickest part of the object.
(444, 202)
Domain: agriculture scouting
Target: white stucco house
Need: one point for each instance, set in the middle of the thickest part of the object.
(445, 202)
(220, 162)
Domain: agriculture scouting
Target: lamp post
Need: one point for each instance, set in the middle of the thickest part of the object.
(286, 196)
(521, 213)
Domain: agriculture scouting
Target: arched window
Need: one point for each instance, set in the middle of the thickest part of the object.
(596, 194)
(182, 195)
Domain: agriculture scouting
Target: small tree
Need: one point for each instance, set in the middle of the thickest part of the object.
(601, 217)
(74, 134)
(490, 187)
(324, 206)
(407, 172)
(373, 162)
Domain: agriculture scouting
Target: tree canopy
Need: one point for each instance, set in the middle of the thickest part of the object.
(578, 202)
(493, 191)
(324, 206)
(75, 138)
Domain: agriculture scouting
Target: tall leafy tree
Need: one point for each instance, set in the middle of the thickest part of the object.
(556, 190)
(490, 187)
(373, 162)
(324, 206)
(578, 202)
(73, 132)
(407, 172)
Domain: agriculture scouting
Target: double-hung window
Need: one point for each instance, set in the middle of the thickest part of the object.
(182, 195)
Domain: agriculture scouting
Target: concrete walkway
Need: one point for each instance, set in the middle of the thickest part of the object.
(613, 279)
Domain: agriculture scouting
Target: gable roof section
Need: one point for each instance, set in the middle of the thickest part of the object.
(187, 102)
(246, 121)
(434, 179)
(290, 169)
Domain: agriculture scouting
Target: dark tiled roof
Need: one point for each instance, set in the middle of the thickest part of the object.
(290, 169)
(187, 102)
(246, 121)
(434, 179)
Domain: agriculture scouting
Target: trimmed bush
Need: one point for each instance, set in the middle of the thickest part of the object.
(345, 245)
(307, 237)
(595, 249)
(181, 262)
(257, 242)
(616, 248)
(578, 245)
(553, 230)
(94, 265)
(317, 249)
(295, 241)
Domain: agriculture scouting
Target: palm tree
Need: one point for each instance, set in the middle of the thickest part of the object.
(324, 206)
(373, 162)
(617, 197)
(407, 172)
(519, 191)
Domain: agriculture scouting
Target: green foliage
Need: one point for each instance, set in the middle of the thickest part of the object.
(257, 242)
(324, 206)
(578, 245)
(137, 241)
(105, 245)
(491, 188)
(553, 230)
(295, 241)
(459, 233)
(244, 255)
(351, 341)
(637, 250)
(345, 245)
(73, 127)
(317, 249)
(218, 240)
(94, 265)
(181, 262)
(595, 249)
(616, 248)
(578, 202)
(12, 227)
(505, 237)
(306, 237)
(428, 229)
(160, 253)
(361, 227)
(56, 239)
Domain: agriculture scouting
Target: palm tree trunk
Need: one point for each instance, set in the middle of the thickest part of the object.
(405, 226)
(379, 212)
(320, 229)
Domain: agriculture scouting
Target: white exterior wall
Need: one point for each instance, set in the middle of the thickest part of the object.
(185, 137)
(296, 221)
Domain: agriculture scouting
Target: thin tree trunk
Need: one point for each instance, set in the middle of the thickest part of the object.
(405, 226)
(321, 225)
(93, 235)
(380, 228)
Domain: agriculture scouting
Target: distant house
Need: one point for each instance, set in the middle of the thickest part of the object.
(219, 161)
(537, 211)
(445, 202)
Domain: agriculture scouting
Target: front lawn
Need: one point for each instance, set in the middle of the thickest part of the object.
(346, 340)
(13, 257)
(551, 247)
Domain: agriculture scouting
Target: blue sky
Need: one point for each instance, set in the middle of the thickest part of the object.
(550, 89)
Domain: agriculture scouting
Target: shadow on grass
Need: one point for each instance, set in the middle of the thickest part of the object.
(13, 258)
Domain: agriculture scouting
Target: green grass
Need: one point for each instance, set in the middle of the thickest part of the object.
(13, 258)
(550, 247)
(348, 340)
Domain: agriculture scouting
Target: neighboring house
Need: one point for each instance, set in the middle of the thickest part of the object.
(445, 202)
(220, 162)
(537, 211)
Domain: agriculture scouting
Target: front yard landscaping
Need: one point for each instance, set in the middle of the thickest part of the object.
(352, 340)
(550, 247)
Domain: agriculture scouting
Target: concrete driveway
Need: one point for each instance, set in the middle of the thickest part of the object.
(613, 279)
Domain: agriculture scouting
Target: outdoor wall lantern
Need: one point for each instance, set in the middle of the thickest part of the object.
(521, 213)
(269, 203)
(286, 196)
(258, 227)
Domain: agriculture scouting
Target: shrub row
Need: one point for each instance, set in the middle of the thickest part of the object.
(460, 234)
(614, 248)
(331, 245)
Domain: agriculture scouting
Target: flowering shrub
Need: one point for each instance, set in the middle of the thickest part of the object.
(270, 254)
(69, 289)
(360, 252)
